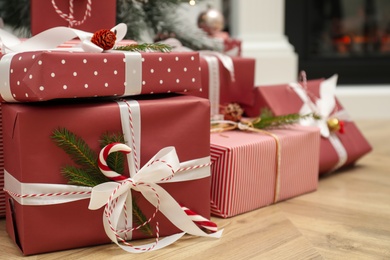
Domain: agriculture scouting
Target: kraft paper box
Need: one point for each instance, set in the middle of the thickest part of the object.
(282, 99)
(45, 16)
(244, 168)
(46, 75)
(32, 157)
(221, 87)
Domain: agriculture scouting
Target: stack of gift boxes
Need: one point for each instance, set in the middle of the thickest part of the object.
(224, 173)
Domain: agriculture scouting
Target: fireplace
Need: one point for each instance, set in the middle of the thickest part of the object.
(347, 37)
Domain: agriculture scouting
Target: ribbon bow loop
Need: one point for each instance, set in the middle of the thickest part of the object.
(52, 38)
(162, 166)
(324, 106)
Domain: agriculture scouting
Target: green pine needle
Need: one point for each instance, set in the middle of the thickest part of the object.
(89, 174)
(140, 219)
(76, 148)
(144, 47)
(79, 177)
(268, 120)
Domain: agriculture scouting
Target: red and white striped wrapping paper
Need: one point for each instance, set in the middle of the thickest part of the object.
(244, 168)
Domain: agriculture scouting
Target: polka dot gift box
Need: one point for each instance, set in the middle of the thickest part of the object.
(46, 75)
(41, 68)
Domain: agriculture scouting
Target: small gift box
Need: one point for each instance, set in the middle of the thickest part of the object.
(226, 80)
(232, 47)
(252, 170)
(79, 14)
(342, 144)
(45, 213)
(29, 71)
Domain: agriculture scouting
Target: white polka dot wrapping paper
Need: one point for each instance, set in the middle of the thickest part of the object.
(32, 158)
(47, 75)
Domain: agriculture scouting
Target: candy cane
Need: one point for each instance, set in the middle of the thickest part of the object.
(70, 18)
(199, 220)
(102, 162)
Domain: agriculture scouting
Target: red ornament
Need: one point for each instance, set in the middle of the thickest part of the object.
(341, 130)
(104, 38)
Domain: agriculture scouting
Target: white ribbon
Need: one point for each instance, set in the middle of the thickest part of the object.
(54, 37)
(212, 59)
(145, 181)
(51, 39)
(324, 106)
(131, 121)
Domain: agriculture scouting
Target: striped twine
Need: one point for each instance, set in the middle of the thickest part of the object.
(136, 163)
(110, 206)
(47, 194)
(70, 17)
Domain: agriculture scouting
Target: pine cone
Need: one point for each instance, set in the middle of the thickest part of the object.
(104, 38)
(232, 112)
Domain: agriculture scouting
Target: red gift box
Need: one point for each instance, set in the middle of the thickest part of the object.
(45, 16)
(223, 87)
(338, 150)
(46, 75)
(232, 47)
(245, 173)
(2, 194)
(32, 157)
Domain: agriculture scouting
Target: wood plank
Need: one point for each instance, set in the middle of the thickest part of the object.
(348, 217)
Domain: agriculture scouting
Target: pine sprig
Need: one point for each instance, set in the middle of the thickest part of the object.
(80, 177)
(268, 120)
(145, 47)
(140, 219)
(76, 148)
(89, 174)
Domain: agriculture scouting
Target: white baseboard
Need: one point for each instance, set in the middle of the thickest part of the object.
(365, 102)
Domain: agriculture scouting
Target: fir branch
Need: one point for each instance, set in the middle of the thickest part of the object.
(268, 120)
(145, 47)
(77, 176)
(140, 219)
(16, 14)
(76, 148)
(130, 12)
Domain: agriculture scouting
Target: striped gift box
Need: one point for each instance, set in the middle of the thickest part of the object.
(2, 194)
(245, 169)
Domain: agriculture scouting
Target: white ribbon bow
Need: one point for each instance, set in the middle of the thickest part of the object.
(54, 37)
(118, 202)
(324, 106)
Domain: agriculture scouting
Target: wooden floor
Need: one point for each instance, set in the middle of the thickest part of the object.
(347, 218)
